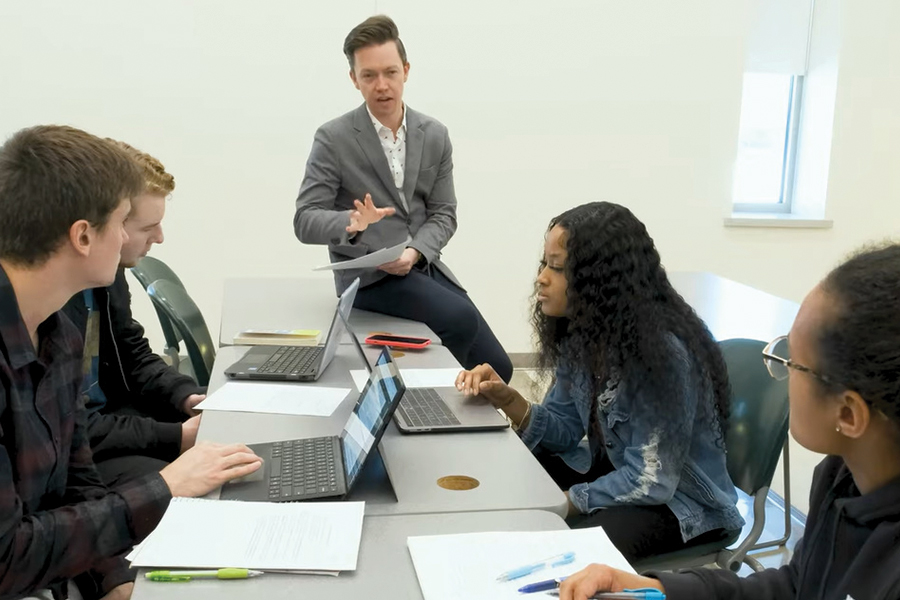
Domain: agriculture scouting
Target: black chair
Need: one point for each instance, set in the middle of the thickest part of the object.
(173, 301)
(756, 434)
(147, 271)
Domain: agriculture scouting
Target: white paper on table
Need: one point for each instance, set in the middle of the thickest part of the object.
(295, 536)
(369, 261)
(277, 398)
(416, 378)
(467, 565)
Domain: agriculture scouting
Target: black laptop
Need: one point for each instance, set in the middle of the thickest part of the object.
(296, 363)
(325, 467)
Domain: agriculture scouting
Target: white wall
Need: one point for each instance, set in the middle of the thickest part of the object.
(548, 106)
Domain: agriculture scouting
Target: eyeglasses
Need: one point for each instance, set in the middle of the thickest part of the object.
(774, 355)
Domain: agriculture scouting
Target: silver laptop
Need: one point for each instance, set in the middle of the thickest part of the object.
(439, 410)
(296, 363)
(325, 467)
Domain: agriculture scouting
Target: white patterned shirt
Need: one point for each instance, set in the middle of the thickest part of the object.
(394, 150)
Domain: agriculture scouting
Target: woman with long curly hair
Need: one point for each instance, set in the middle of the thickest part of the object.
(842, 358)
(638, 375)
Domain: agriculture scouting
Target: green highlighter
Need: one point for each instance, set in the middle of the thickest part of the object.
(181, 576)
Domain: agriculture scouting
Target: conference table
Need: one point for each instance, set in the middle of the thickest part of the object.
(730, 309)
(406, 478)
(384, 569)
(400, 484)
(299, 303)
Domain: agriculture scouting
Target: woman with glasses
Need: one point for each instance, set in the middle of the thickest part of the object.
(844, 368)
(638, 374)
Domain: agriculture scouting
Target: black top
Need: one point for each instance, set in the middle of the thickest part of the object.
(134, 379)
(851, 550)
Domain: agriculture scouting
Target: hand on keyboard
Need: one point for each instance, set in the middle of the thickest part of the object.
(485, 381)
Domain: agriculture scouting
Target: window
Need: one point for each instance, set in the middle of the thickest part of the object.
(767, 142)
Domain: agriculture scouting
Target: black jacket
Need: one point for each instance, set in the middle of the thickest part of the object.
(142, 414)
(851, 550)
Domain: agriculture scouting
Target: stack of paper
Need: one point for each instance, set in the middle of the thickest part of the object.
(277, 398)
(297, 537)
(467, 565)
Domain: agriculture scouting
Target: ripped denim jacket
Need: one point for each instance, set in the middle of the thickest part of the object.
(664, 453)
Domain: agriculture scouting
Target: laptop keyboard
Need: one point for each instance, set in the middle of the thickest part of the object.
(303, 468)
(291, 360)
(423, 407)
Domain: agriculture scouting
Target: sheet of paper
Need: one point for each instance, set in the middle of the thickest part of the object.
(467, 565)
(415, 378)
(293, 536)
(277, 398)
(369, 261)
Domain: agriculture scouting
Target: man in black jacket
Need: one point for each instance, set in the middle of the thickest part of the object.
(137, 404)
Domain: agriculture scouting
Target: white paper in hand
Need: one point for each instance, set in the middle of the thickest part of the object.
(369, 261)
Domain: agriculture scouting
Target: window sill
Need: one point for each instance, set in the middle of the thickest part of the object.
(777, 220)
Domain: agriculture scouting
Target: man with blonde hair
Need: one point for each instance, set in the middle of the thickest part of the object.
(136, 402)
(64, 198)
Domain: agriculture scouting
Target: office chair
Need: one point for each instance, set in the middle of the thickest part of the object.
(173, 301)
(147, 271)
(755, 437)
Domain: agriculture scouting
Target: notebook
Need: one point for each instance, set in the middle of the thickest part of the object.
(277, 337)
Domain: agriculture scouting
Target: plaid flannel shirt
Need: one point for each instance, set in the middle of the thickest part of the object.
(57, 520)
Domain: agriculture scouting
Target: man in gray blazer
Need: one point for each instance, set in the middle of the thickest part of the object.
(382, 174)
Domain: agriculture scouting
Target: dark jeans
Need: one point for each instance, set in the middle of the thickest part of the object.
(426, 295)
(637, 531)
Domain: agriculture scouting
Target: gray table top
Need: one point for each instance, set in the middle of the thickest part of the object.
(299, 303)
(385, 568)
(404, 479)
(734, 310)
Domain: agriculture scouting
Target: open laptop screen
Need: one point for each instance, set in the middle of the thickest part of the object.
(371, 415)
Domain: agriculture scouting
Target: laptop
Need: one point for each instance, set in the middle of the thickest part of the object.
(296, 363)
(325, 467)
(440, 410)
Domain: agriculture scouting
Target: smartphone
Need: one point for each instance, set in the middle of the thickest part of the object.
(397, 341)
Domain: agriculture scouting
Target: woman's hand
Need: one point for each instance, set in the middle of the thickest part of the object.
(600, 578)
(485, 381)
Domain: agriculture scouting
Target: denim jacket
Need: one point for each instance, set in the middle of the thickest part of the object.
(663, 453)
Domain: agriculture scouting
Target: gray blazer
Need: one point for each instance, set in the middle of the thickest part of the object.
(347, 161)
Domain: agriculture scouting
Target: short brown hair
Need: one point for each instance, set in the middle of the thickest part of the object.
(374, 31)
(52, 176)
(156, 180)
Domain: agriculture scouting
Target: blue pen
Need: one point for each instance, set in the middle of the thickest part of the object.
(541, 586)
(553, 561)
(637, 594)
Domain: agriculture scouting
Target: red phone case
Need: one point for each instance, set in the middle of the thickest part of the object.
(397, 343)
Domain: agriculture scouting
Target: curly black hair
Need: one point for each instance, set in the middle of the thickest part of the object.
(859, 346)
(621, 307)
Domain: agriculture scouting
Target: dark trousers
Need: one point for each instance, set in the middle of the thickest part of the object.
(426, 295)
(637, 531)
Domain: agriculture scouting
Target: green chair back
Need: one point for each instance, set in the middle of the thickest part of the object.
(758, 422)
(173, 301)
(147, 271)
